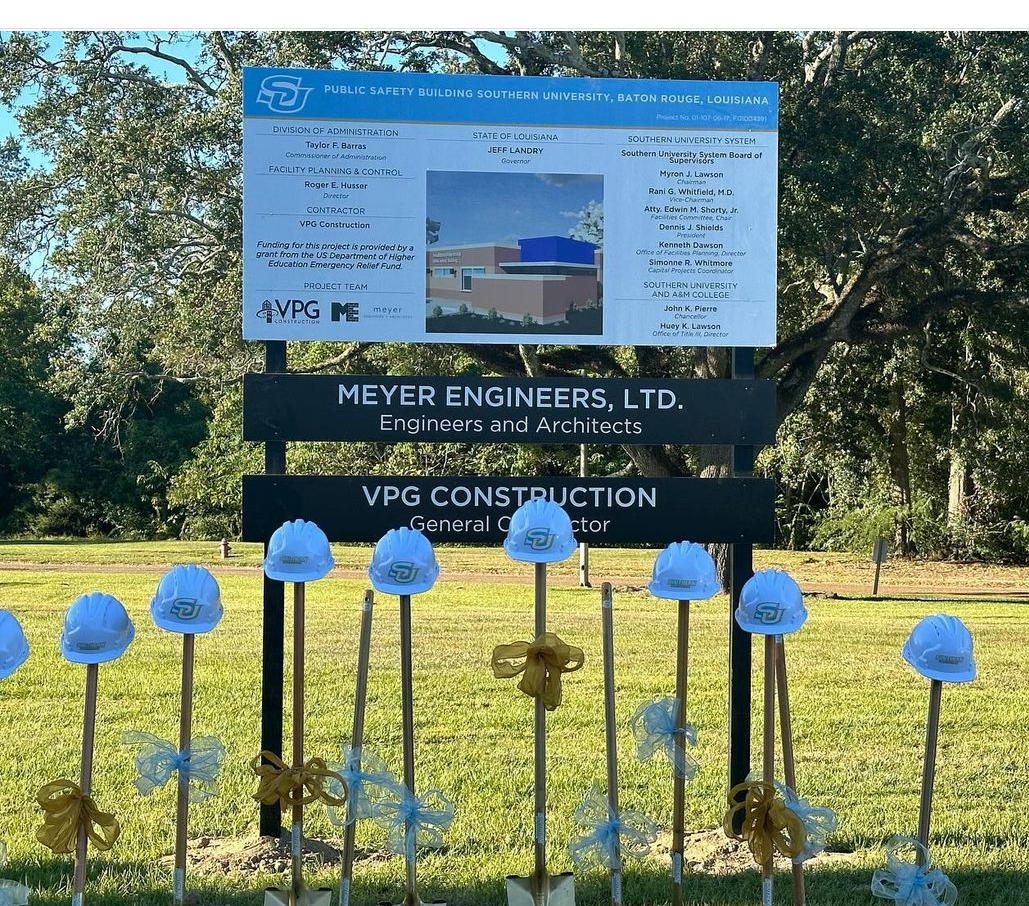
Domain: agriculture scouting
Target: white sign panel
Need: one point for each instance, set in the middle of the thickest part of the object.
(386, 206)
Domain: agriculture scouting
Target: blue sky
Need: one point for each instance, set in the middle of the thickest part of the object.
(467, 204)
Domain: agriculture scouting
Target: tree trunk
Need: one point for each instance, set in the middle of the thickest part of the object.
(959, 485)
(900, 470)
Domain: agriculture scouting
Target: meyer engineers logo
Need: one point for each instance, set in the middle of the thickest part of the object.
(185, 608)
(283, 94)
(540, 539)
(403, 572)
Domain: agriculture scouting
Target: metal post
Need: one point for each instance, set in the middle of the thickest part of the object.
(273, 622)
(741, 568)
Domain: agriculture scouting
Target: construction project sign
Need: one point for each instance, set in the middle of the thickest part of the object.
(382, 206)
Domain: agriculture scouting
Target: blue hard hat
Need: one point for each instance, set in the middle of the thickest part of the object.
(684, 571)
(540, 532)
(298, 551)
(403, 563)
(187, 600)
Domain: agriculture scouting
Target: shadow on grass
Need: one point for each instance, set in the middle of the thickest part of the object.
(644, 885)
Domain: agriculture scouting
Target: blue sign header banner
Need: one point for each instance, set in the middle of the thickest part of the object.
(508, 100)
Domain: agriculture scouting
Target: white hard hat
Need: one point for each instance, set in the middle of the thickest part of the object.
(403, 563)
(14, 647)
(96, 629)
(771, 604)
(187, 600)
(940, 647)
(540, 532)
(298, 551)
(684, 571)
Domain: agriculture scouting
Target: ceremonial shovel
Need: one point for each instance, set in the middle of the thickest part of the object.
(611, 737)
(356, 741)
(768, 764)
(298, 895)
(182, 804)
(789, 768)
(541, 889)
(678, 780)
(85, 782)
(411, 897)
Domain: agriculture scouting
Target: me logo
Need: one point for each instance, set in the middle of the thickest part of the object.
(769, 613)
(185, 608)
(540, 539)
(346, 311)
(403, 572)
(283, 94)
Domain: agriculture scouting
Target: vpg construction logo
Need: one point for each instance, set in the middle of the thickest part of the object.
(185, 609)
(293, 311)
(540, 539)
(769, 613)
(403, 572)
(283, 94)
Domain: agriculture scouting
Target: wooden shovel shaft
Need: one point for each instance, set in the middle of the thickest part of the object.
(611, 735)
(768, 763)
(182, 803)
(679, 781)
(540, 745)
(788, 764)
(929, 765)
(407, 703)
(357, 740)
(85, 781)
(296, 839)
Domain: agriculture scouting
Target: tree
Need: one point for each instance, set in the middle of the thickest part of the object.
(902, 212)
(590, 226)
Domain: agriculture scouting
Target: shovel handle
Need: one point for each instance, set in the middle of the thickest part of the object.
(182, 802)
(297, 829)
(540, 747)
(357, 740)
(407, 704)
(678, 781)
(611, 734)
(85, 781)
(932, 730)
(788, 764)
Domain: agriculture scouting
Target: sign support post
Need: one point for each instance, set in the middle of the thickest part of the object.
(741, 567)
(273, 620)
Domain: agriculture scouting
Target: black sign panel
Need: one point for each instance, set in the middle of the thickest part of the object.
(507, 410)
(604, 511)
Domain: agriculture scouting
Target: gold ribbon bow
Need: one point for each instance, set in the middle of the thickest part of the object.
(285, 785)
(542, 661)
(65, 810)
(768, 825)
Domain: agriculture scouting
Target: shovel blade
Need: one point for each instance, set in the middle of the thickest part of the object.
(273, 896)
(556, 890)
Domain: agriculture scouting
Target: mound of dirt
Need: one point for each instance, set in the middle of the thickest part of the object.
(270, 855)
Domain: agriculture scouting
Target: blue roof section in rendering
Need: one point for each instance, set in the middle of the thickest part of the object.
(556, 248)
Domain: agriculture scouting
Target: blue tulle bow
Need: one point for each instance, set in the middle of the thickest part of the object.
(908, 883)
(414, 821)
(627, 833)
(368, 783)
(819, 821)
(157, 760)
(655, 728)
(11, 893)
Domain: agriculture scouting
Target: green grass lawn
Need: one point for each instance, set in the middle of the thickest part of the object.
(858, 713)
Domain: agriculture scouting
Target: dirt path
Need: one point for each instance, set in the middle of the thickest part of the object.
(862, 590)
